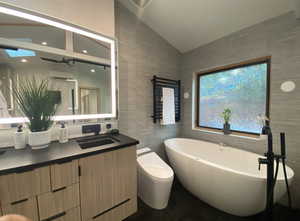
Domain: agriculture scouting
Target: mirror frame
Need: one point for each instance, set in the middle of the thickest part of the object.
(29, 15)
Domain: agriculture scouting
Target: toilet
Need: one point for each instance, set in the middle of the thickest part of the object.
(155, 179)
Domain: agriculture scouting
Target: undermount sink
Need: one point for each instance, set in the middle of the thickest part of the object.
(95, 141)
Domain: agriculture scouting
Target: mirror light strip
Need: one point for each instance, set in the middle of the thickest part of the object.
(46, 21)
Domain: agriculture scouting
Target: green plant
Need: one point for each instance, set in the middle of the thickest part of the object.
(37, 103)
(226, 115)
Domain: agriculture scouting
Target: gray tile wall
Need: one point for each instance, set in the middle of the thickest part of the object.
(142, 53)
(278, 37)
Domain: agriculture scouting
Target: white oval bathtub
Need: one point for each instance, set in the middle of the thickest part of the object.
(224, 177)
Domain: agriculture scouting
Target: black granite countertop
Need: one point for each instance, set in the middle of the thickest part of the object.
(12, 160)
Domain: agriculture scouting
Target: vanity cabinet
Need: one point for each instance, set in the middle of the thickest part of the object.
(57, 202)
(96, 187)
(64, 174)
(26, 207)
(108, 185)
(20, 186)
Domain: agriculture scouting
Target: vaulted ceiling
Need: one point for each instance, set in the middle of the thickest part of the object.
(188, 24)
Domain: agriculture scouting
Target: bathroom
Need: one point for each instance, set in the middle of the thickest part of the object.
(150, 38)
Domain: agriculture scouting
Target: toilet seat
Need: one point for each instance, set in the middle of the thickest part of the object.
(151, 165)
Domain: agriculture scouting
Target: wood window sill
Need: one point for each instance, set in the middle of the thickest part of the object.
(233, 134)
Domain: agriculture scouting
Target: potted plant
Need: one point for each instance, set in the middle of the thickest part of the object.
(39, 105)
(226, 116)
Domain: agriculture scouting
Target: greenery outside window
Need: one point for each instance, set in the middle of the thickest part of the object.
(242, 87)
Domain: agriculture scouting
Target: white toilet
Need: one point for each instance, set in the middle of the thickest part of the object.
(155, 179)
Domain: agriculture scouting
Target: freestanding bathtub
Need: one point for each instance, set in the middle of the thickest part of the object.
(224, 177)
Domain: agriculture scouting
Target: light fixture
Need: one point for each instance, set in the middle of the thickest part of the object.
(23, 60)
(13, 12)
(44, 43)
(93, 70)
(84, 51)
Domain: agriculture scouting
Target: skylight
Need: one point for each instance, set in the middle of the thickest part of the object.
(20, 52)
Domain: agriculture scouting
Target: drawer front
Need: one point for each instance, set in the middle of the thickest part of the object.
(23, 185)
(25, 207)
(117, 213)
(64, 174)
(53, 203)
(69, 215)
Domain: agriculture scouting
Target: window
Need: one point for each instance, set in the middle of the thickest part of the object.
(243, 87)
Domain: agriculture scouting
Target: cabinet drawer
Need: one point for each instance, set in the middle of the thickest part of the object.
(23, 185)
(53, 203)
(64, 174)
(117, 213)
(70, 215)
(25, 207)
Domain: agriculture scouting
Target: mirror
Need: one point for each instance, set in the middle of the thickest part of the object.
(76, 63)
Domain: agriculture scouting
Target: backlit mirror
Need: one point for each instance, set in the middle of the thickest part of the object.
(76, 63)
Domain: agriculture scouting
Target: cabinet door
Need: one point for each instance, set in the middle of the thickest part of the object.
(22, 185)
(108, 185)
(27, 207)
(53, 203)
(96, 184)
(125, 182)
(64, 174)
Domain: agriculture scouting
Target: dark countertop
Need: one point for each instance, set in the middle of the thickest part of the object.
(12, 160)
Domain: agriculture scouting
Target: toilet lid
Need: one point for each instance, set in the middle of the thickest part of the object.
(153, 165)
(158, 172)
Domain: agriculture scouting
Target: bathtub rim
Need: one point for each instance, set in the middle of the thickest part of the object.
(291, 171)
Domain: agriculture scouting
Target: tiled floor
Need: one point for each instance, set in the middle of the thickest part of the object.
(183, 206)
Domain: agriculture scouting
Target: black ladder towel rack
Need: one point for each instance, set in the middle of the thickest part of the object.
(158, 84)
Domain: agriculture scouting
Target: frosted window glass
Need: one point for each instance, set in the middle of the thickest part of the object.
(243, 90)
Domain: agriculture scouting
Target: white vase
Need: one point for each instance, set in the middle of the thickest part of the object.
(39, 140)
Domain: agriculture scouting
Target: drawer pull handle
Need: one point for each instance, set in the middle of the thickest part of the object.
(55, 216)
(19, 201)
(59, 189)
(105, 211)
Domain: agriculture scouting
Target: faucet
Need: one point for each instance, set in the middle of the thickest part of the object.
(271, 180)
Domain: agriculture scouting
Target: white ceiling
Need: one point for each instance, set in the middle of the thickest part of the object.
(188, 24)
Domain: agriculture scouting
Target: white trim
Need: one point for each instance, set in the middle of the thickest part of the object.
(50, 50)
(112, 62)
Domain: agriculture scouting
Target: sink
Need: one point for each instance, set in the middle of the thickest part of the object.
(95, 141)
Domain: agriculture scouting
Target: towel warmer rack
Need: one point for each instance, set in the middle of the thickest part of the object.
(158, 84)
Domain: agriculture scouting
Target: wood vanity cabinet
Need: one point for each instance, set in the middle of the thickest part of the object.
(108, 185)
(97, 187)
(64, 174)
(19, 186)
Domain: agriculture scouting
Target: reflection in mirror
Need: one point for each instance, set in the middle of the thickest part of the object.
(91, 46)
(89, 100)
(76, 63)
(69, 78)
(18, 29)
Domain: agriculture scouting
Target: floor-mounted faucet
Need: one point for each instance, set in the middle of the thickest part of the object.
(271, 179)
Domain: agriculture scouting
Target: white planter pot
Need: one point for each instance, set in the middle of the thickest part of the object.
(39, 140)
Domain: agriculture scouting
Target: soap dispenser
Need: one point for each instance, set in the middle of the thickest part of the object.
(63, 133)
(20, 138)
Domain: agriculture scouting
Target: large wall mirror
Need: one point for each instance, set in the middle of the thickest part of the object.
(79, 66)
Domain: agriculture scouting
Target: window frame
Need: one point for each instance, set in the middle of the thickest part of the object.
(261, 60)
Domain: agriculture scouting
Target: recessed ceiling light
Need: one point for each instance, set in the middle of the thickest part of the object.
(84, 51)
(93, 70)
(44, 43)
(23, 60)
